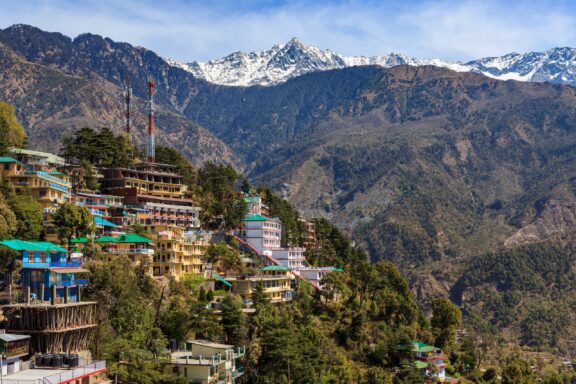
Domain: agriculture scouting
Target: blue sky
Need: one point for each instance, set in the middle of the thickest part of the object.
(201, 30)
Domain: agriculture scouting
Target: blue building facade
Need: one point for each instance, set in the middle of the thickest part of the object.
(47, 266)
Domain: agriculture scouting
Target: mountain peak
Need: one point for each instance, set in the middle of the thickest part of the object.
(295, 58)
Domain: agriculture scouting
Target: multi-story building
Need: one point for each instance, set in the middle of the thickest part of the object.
(153, 179)
(292, 257)
(430, 361)
(47, 270)
(178, 251)
(276, 282)
(205, 362)
(308, 234)
(48, 186)
(155, 188)
(262, 232)
(315, 274)
(97, 204)
(138, 248)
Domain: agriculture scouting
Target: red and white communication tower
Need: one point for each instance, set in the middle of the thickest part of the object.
(151, 138)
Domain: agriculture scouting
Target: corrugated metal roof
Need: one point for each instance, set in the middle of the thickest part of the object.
(221, 279)
(12, 337)
(275, 268)
(257, 218)
(7, 159)
(21, 245)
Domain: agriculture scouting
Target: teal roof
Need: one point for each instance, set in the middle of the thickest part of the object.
(275, 268)
(252, 199)
(103, 222)
(21, 245)
(6, 159)
(256, 218)
(334, 269)
(418, 346)
(221, 279)
(80, 240)
(125, 238)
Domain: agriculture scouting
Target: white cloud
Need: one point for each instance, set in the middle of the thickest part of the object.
(189, 30)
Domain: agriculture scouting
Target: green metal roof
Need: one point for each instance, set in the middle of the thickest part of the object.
(50, 157)
(420, 364)
(221, 279)
(21, 245)
(125, 238)
(252, 199)
(103, 222)
(80, 240)
(256, 218)
(418, 346)
(6, 159)
(275, 268)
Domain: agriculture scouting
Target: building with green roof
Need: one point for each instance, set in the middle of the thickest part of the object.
(137, 248)
(46, 265)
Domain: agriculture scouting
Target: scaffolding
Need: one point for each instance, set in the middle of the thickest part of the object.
(59, 328)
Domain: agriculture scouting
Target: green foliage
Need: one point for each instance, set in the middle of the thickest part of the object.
(28, 214)
(224, 257)
(73, 221)
(216, 192)
(532, 288)
(292, 228)
(233, 320)
(100, 148)
(446, 318)
(169, 155)
(517, 372)
(11, 131)
(8, 223)
(334, 247)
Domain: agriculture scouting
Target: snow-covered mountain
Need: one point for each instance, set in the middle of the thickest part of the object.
(283, 62)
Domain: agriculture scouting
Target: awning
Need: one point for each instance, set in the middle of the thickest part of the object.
(221, 279)
(100, 222)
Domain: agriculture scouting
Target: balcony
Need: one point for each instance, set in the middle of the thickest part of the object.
(55, 264)
(71, 283)
(148, 251)
(238, 372)
(59, 284)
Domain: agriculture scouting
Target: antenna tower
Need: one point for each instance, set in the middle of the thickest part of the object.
(151, 138)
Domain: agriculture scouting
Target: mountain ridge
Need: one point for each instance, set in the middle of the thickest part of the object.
(284, 61)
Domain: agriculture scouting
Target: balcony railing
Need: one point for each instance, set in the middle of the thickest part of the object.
(129, 251)
(55, 264)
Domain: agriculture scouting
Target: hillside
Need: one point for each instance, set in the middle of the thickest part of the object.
(426, 167)
(55, 97)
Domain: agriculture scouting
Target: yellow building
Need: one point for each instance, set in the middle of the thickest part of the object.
(276, 281)
(49, 188)
(178, 252)
(206, 362)
(160, 180)
(138, 248)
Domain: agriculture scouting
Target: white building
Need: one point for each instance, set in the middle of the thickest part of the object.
(206, 362)
(315, 274)
(292, 257)
(261, 232)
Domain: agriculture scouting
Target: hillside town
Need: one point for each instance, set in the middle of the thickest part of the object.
(141, 212)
